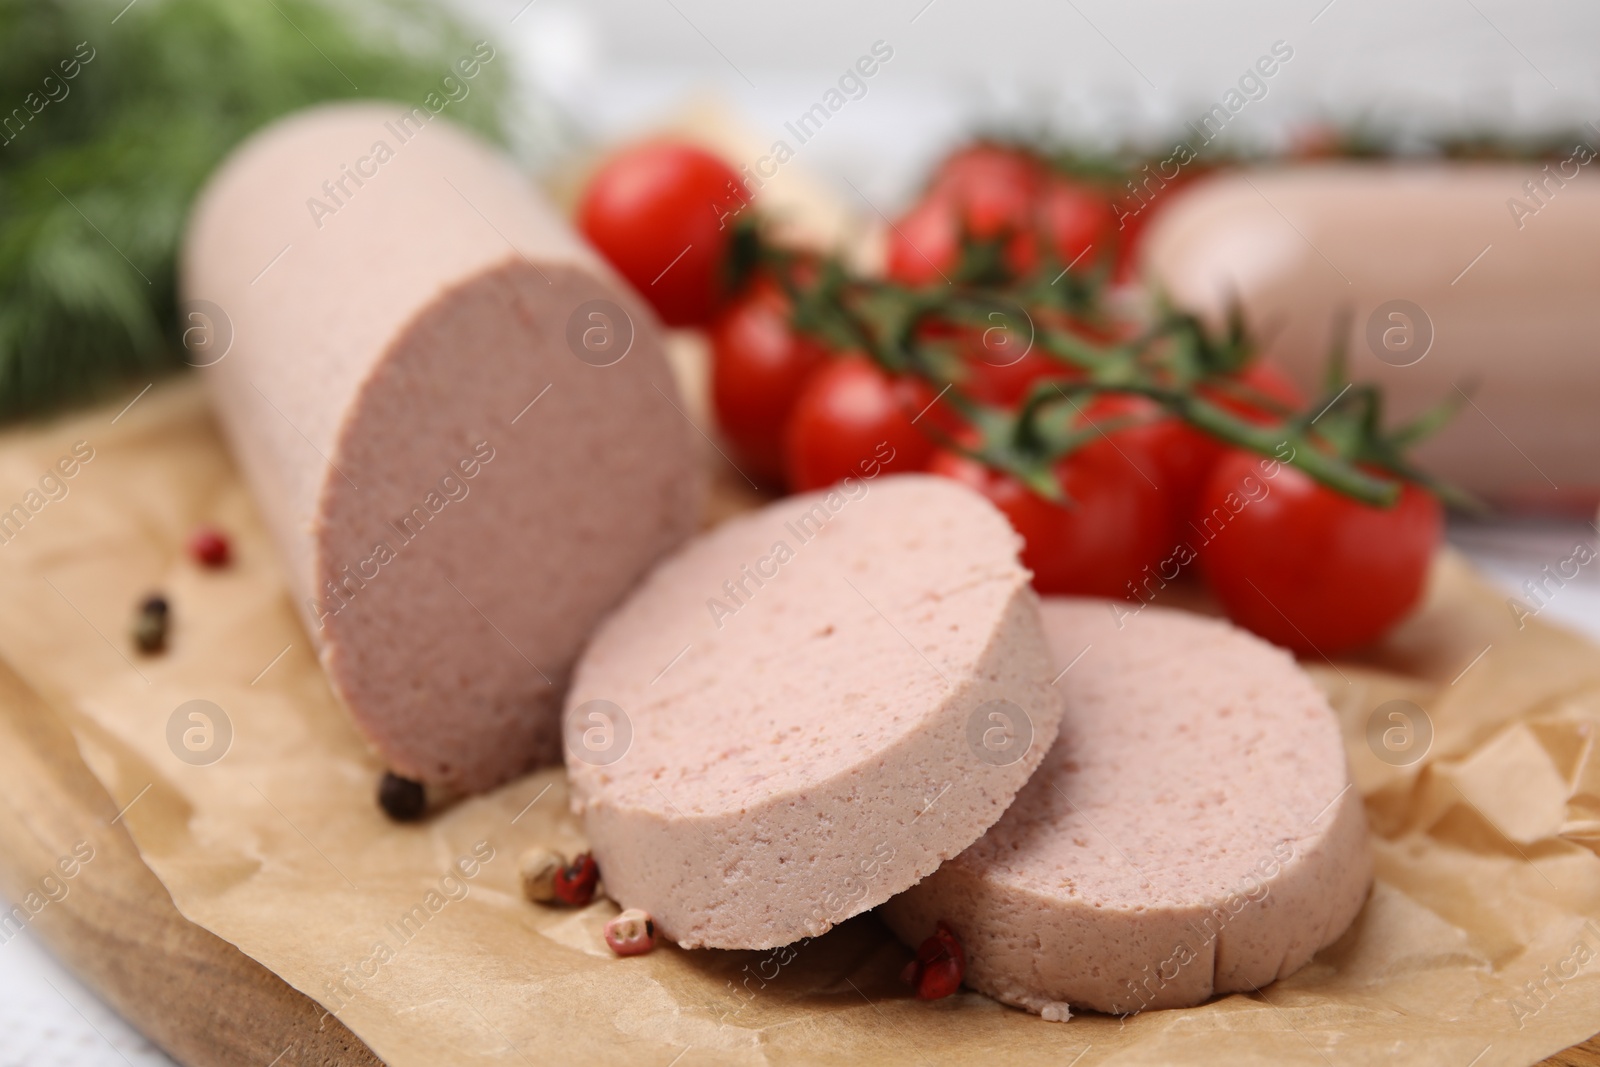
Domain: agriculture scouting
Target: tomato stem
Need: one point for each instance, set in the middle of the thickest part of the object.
(1178, 362)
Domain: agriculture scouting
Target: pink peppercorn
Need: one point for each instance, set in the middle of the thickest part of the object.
(633, 933)
(574, 884)
(939, 966)
(209, 547)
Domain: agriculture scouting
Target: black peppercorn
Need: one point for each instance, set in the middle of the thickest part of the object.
(400, 798)
(150, 624)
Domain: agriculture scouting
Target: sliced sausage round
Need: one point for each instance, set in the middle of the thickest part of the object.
(808, 709)
(1193, 831)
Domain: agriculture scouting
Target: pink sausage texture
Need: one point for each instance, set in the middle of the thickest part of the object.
(1192, 832)
(809, 708)
(458, 424)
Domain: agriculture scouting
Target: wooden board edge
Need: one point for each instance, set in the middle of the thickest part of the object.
(113, 924)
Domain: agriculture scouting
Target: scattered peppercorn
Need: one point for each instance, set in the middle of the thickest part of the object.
(574, 884)
(150, 633)
(633, 933)
(209, 547)
(939, 965)
(400, 798)
(150, 624)
(538, 867)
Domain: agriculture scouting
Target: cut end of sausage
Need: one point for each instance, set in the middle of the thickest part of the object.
(459, 425)
(808, 709)
(1193, 831)
(464, 557)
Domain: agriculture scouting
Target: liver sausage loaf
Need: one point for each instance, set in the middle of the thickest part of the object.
(458, 424)
(808, 709)
(1193, 831)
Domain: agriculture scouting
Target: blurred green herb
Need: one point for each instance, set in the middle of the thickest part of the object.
(97, 170)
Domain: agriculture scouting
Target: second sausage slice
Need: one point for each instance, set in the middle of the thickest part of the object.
(808, 709)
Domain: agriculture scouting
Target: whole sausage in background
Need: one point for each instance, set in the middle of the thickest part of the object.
(1475, 279)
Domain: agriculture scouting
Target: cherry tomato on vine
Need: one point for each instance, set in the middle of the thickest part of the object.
(1131, 221)
(1115, 524)
(759, 364)
(1077, 221)
(1265, 378)
(1004, 384)
(995, 187)
(986, 192)
(853, 420)
(1174, 455)
(1004, 362)
(930, 408)
(1309, 568)
(999, 362)
(662, 214)
(924, 244)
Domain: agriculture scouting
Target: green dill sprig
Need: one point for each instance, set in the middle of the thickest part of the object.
(97, 170)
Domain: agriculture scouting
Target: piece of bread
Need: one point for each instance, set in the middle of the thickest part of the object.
(808, 709)
(1193, 831)
(458, 424)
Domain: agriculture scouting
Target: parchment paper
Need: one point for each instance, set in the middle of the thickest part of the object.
(1487, 875)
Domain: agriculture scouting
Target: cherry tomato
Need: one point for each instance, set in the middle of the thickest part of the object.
(924, 245)
(662, 214)
(853, 420)
(1130, 228)
(759, 364)
(995, 187)
(1115, 525)
(1077, 221)
(1003, 364)
(1174, 455)
(930, 409)
(1270, 380)
(986, 192)
(1265, 378)
(1004, 384)
(1000, 362)
(1306, 567)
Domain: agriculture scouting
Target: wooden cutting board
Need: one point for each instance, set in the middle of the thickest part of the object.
(187, 990)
